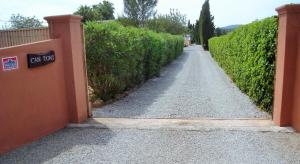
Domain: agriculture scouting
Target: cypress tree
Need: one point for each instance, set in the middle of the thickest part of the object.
(206, 25)
(196, 33)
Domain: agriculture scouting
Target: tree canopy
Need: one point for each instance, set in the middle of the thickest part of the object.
(174, 23)
(101, 11)
(139, 10)
(18, 21)
(87, 13)
(106, 9)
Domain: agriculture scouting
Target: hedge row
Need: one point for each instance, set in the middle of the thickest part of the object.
(118, 57)
(248, 56)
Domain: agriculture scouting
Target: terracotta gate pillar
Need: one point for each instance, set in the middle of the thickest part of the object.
(287, 80)
(68, 28)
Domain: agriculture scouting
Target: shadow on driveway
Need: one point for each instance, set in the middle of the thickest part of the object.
(138, 102)
(61, 142)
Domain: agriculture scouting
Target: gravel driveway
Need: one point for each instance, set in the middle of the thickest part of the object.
(89, 145)
(193, 86)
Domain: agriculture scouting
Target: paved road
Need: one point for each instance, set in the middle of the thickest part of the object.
(193, 86)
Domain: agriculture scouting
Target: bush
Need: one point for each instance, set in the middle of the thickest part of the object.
(248, 56)
(118, 57)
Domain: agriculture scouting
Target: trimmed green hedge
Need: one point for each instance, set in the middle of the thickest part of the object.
(118, 57)
(248, 56)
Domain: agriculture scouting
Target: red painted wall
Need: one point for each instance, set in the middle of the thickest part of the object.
(33, 101)
(287, 89)
(38, 101)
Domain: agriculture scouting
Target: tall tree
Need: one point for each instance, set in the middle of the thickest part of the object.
(206, 25)
(196, 33)
(108, 10)
(88, 13)
(18, 21)
(105, 9)
(174, 23)
(101, 11)
(190, 28)
(189, 25)
(131, 10)
(139, 10)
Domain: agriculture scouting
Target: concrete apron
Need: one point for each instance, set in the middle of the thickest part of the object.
(199, 124)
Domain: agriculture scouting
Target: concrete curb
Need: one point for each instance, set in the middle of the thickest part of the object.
(255, 125)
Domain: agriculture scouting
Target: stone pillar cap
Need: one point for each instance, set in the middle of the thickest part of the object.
(64, 18)
(289, 8)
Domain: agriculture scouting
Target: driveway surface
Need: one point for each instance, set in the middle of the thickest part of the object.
(193, 86)
(92, 145)
(193, 113)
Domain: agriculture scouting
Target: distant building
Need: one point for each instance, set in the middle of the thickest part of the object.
(187, 40)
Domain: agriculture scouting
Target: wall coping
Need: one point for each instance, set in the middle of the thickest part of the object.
(16, 47)
(289, 8)
(63, 18)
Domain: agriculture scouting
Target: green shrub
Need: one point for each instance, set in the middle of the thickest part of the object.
(248, 56)
(118, 57)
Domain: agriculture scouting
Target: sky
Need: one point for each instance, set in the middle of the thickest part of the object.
(226, 12)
